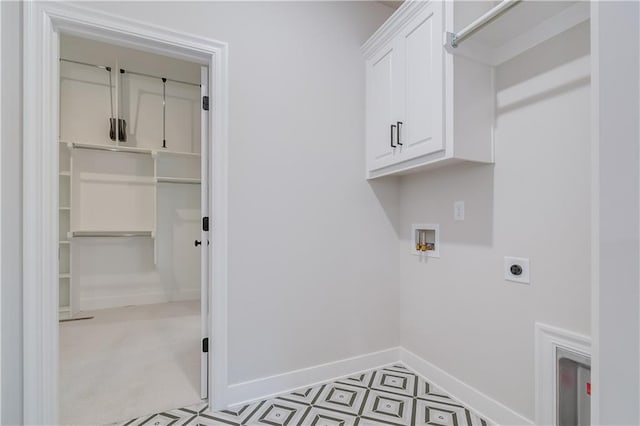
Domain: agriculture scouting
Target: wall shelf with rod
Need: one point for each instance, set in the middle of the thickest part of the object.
(495, 35)
(129, 149)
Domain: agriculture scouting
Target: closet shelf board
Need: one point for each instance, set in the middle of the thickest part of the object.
(133, 150)
(167, 179)
(127, 233)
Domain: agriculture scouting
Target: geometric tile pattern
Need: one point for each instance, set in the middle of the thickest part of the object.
(180, 417)
(393, 395)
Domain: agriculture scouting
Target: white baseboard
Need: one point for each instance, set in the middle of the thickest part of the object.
(469, 396)
(89, 304)
(480, 403)
(281, 383)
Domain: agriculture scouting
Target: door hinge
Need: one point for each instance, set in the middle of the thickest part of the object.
(205, 223)
(205, 103)
(205, 345)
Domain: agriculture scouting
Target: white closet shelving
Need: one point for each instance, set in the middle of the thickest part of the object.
(177, 168)
(64, 226)
(109, 189)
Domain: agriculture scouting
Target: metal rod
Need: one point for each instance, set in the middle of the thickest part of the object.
(485, 19)
(111, 97)
(113, 123)
(129, 72)
(75, 319)
(111, 233)
(120, 121)
(110, 148)
(157, 76)
(178, 180)
(104, 67)
(164, 112)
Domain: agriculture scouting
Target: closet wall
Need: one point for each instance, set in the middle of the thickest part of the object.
(149, 192)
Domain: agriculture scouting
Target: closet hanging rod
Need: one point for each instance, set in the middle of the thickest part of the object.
(122, 71)
(102, 67)
(186, 181)
(455, 39)
(111, 233)
(110, 148)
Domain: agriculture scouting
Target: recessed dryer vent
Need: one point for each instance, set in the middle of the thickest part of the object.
(573, 392)
(425, 239)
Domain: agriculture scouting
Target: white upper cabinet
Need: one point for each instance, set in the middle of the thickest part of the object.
(380, 114)
(409, 93)
(430, 99)
(419, 106)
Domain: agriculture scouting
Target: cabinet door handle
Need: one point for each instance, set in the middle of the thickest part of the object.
(399, 123)
(393, 126)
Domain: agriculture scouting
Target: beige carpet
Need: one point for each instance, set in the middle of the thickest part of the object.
(128, 362)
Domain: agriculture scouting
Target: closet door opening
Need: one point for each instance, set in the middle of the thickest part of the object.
(134, 252)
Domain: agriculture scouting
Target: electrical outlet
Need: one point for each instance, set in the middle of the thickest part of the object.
(516, 269)
(458, 210)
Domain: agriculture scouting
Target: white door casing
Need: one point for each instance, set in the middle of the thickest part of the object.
(204, 234)
(43, 21)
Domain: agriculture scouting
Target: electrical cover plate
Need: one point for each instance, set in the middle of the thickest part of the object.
(516, 269)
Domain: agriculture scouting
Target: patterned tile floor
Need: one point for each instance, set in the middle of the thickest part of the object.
(393, 395)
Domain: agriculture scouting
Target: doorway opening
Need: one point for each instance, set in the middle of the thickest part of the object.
(44, 25)
(133, 215)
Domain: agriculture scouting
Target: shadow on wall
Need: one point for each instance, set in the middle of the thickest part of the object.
(387, 191)
(546, 71)
(429, 198)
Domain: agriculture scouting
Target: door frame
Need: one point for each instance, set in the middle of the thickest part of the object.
(43, 22)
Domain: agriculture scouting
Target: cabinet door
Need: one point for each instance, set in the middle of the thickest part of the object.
(379, 108)
(421, 45)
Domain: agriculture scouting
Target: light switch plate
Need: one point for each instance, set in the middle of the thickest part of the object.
(458, 210)
(516, 269)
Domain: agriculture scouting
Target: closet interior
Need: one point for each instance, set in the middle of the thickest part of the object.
(129, 212)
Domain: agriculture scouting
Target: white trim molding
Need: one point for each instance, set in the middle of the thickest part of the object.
(1, 261)
(485, 406)
(282, 383)
(43, 21)
(469, 396)
(547, 340)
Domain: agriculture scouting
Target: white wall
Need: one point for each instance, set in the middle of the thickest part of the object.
(616, 227)
(312, 259)
(457, 311)
(11, 333)
(279, 51)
